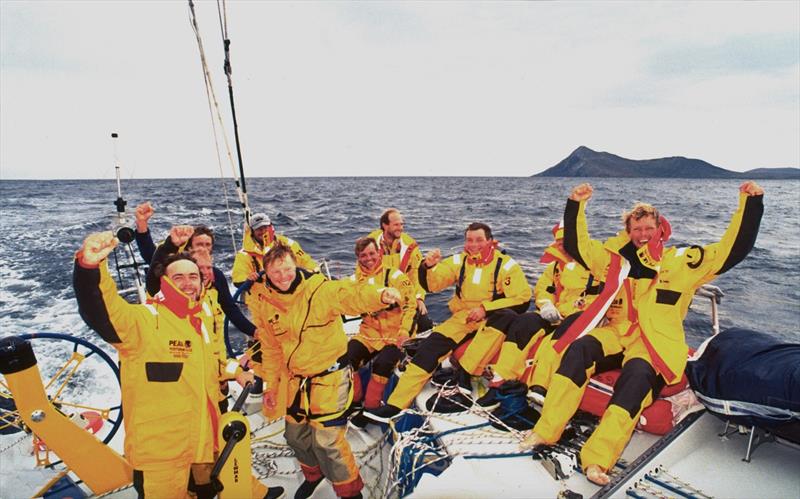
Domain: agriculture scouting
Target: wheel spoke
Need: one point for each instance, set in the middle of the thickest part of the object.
(74, 384)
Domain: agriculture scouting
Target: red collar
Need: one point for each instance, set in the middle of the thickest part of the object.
(553, 254)
(268, 238)
(484, 257)
(179, 303)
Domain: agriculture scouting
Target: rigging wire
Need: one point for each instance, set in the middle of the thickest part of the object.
(214, 111)
(222, 13)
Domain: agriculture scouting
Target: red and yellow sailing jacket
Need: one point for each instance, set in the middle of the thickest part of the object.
(404, 254)
(388, 325)
(494, 283)
(170, 369)
(655, 296)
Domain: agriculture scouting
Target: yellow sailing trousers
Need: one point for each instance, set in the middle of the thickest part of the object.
(601, 350)
(433, 349)
(546, 362)
(522, 332)
(481, 350)
(323, 451)
(513, 359)
(172, 482)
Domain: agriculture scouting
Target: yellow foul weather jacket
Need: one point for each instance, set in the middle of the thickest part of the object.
(565, 283)
(301, 332)
(494, 283)
(663, 289)
(404, 254)
(170, 369)
(387, 326)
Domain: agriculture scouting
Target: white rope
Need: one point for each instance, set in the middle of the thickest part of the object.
(124, 487)
(213, 106)
(24, 437)
(414, 441)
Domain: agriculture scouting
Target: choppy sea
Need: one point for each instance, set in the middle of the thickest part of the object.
(44, 222)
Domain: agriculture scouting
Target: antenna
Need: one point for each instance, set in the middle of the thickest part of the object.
(124, 234)
(119, 203)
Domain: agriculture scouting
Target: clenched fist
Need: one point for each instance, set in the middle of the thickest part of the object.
(582, 192)
(96, 248)
(143, 213)
(751, 188)
(179, 234)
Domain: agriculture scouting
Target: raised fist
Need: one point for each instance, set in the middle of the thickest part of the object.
(581, 192)
(179, 234)
(143, 213)
(96, 248)
(751, 188)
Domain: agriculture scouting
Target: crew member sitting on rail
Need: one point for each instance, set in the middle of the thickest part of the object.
(562, 292)
(381, 334)
(301, 333)
(651, 288)
(486, 281)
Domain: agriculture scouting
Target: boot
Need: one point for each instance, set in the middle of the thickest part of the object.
(382, 414)
(275, 493)
(307, 488)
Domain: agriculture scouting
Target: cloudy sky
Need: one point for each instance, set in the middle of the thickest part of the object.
(396, 88)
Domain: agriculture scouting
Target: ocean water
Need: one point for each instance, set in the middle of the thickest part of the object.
(44, 222)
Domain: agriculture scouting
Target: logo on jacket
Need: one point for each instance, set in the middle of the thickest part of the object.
(275, 325)
(181, 349)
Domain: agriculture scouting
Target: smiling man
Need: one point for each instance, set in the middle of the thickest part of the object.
(399, 250)
(380, 334)
(171, 369)
(486, 280)
(306, 365)
(647, 292)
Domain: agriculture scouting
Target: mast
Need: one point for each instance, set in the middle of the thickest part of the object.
(226, 42)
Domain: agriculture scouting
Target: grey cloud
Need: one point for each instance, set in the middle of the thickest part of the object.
(754, 53)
